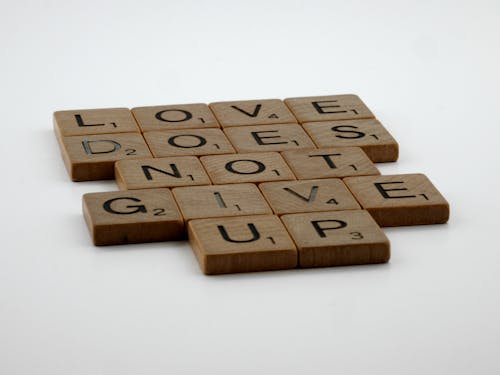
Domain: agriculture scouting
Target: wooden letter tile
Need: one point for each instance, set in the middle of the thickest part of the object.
(330, 162)
(368, 134)
(161, 172)
(253, 167)
(220, 200)
(252, 112)
(260, 138)
(332, 107)
(337, 238)
(188, 142)
(92, 157)
(241, 244)
(404, 199)
(172, 117)
(122, 217)
(94, 121)
(288, 197)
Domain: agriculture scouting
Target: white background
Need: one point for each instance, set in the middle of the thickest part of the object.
(430, 71)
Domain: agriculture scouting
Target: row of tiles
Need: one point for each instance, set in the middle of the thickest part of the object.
(225, 114)
(392, 200)
(92, 157)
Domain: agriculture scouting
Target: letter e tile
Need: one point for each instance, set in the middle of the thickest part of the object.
(396, 200)
(325, 108)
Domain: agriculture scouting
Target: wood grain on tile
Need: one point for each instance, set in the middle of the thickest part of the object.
(173, 117)
(150, 173)
(241, 244)
(329, 162)
(251, 167)
(94, 121)
(136, 216)
(92, 157)
(287, 197)
(252, 112)
(188, 142)
(331, 107)
(396, 200)
(368, 134)
(259, 138)
(220, 200)
(337, 238)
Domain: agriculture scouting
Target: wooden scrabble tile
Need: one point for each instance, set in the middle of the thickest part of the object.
(92, 157)
(404, 199)
(331, 107)
(188, 142)
(220, 200)
(252, 112)
(368, 134)
(241, 244)
(172, 117)
(252, 167)
(121, 217)
(160, 172)
(258, 138)
(287, 197)
(337, 238)
(329, 162)
(94, 121)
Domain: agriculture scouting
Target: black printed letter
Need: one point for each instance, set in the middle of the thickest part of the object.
(321, 109)
(139, 208)
(260, 166)
(327, 158)
(88, 149)
(354, 133)
(383, 191)
(321, 231)
(175, 171)
(259, 138)
(187, 115)
(201, 141)
(255, 234)
(80, 122)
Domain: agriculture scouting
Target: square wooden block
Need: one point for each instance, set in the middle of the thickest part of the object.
(160, 172)
(331, 107)
(329, 162)
(288, 197)
(403, 199)
(92, 157)
(188, 142)
(252, 167)
(252, 112)
(337, 238)
(94, 121)
(368, 134)
(241, 244)
(172, 117)
(220, 200)
(121, 217)
(259, 138)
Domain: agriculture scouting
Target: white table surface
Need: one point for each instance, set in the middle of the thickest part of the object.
(430, 71)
